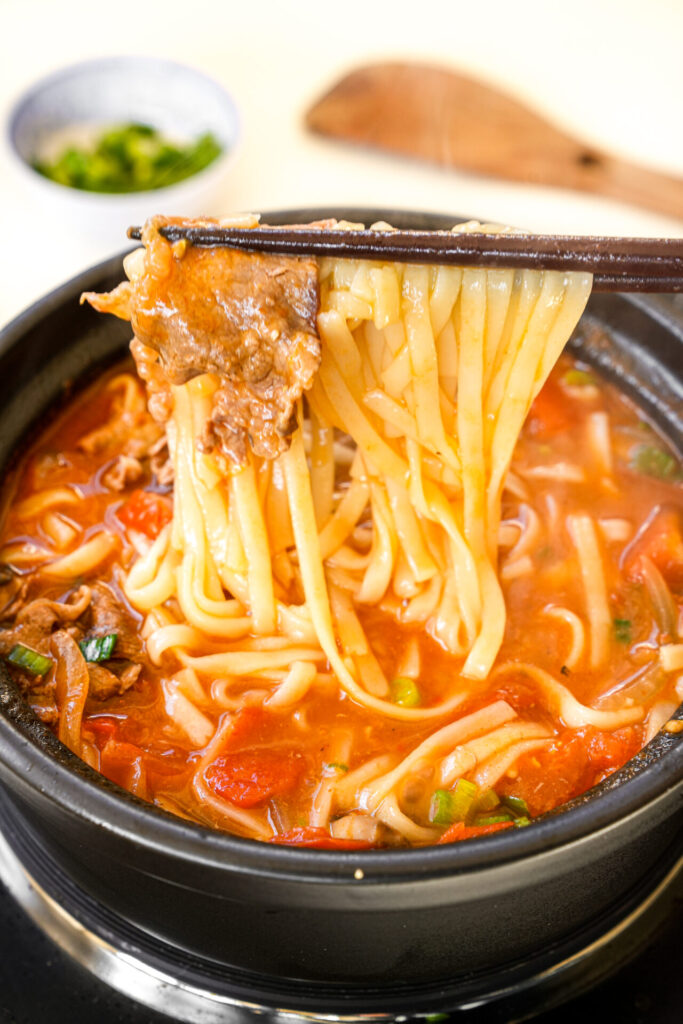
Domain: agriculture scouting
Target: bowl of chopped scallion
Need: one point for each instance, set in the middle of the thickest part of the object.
(108, 142)
(129, 158)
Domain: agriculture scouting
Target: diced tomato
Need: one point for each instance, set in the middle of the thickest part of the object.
(574, 763)
(318, 839)
(250, 778)
(548, 778)
(102, 727)
(118, 758)
(552, 413)
(458, 830)
(126, 765)
(609, 751)
(661, 541)
(517, 694)
(145, 512)
(245, 727)
(119, 754)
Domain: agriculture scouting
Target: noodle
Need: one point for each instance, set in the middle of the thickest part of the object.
(352, 596)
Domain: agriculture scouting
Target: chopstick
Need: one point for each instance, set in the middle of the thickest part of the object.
(618, 264)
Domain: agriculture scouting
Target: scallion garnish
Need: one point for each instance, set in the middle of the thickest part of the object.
(464, 794)
(130, 158)
(441, 807)
(404, 691)
(622, 631)
(336, 766)
(521, 822)
(486, 801)
(32, 661)
(517, 805)
(98, 648)
(652, 460)
(578, 378)
(492, 819)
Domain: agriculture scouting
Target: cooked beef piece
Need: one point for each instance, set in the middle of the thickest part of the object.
(45, 613)
(52, 626)
(247, 317)
(125, 470)
(115, 436)
(13, 590)
(35, 621)
(33, 627)
(107, 615)
(105, 683)
(148, 365)
(161, 464)
(129, 430)
(44, 706)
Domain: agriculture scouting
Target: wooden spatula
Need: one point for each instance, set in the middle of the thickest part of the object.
(446, 118)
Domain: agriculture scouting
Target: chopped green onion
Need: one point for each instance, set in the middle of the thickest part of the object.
(492, 819)
(521, 822)
(336, 766)
(130, 158)
(517, 805)
(652, 460)
(486, 801)
(25, 657)
(464, 794)
(98, 648)
(404, 691)
(622, 631)
(578, 378)
(441, 807)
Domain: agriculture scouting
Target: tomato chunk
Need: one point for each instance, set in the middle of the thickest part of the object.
(575, 762)
(551, 413)
(609, 751)
(102, 727)
(661, 541)
(245, 727)
(318, 839)
(459, 830)
(145, 512)
(117, 753)
(250, 778)
(520, 696)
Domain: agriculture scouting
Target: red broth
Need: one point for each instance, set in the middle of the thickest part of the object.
(275, 763)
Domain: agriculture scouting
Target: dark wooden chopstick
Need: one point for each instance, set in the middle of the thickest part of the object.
(618, 264)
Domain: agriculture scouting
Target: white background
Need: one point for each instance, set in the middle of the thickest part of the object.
(608, 70)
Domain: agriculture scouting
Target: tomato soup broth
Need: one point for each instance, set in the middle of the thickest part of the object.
(589, 479)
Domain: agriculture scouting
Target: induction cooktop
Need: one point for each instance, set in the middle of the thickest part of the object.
(41, 982)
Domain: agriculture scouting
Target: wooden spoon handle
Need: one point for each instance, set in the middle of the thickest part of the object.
(434, 114)
(632, 183)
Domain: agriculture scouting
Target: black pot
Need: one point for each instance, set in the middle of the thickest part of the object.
(377, 932)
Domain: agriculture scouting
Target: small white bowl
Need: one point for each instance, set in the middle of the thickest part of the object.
(179, 101)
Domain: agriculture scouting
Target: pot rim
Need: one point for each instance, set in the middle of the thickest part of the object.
(31, 755)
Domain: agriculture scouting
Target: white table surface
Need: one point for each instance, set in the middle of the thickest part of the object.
(611, 71)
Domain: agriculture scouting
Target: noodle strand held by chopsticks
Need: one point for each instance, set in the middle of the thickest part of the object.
(429, 372)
